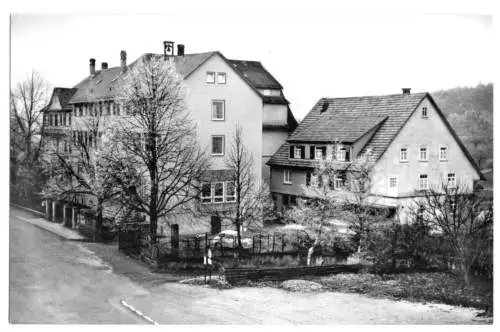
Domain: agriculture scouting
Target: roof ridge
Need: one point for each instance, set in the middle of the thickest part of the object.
(376, 96)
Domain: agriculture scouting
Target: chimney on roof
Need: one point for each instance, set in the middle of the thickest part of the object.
(123, 60)
(180, 49)
(168, 48)
(104, 65)
(406, 91)
(92, 67)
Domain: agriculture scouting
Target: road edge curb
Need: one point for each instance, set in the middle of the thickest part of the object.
(28, 209)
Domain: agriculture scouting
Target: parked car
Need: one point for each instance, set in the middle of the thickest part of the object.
(229, 239)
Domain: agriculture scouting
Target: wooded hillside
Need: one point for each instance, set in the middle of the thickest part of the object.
(470, 112)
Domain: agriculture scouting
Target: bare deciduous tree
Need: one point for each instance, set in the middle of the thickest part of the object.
(158, 151)
(463, 217)
(253, 201)
(27, 100)
(82, 169)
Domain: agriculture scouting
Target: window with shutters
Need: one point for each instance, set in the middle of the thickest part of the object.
(320, 152)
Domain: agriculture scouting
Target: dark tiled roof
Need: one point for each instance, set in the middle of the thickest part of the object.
(256, 74)
(346, 128)
(397, 109)
(105, 83)
(275, 100)
(64, 95)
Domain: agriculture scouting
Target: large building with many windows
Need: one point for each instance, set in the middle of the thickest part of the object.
(221, 94)
(406, 137)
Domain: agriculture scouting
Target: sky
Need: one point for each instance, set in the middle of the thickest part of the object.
(313, 55)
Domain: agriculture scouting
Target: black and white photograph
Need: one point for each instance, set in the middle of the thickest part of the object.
(269, 163)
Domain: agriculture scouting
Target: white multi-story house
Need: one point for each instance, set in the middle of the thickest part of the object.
(409, 141)
(221, 94)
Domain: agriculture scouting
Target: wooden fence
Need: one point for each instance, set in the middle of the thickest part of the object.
(238, 275)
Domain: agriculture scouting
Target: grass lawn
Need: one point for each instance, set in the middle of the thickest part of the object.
(420, 287)
(436, 287)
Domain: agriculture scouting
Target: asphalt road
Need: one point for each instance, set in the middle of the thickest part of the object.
(57, 281)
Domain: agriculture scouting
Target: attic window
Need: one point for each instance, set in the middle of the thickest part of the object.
(424, 112)
(325, 107)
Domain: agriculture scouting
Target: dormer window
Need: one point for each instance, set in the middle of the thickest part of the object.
(210, 77)
(297, 152)
(343, 154)
(424, 112)
(317, 152)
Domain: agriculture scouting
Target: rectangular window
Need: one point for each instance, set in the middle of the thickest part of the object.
(218, 145)
(443, 153)
(210, 77)
(424, 112)
(338, 182)
(298, 151)
(80, 110)
(206, 193)
(308, 179)
(403, 154)
(69, 119)
(452, 180)
(423, 183)
(341, 154)
(423, 154)
(218, 192)
(230, 192)
(320, 153)
(218, 110)
(221, 78)
(393, 182)
(55, 120)
(287, 176)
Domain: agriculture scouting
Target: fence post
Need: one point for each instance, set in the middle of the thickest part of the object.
(274, 238)
(260, 243)
(253, 244)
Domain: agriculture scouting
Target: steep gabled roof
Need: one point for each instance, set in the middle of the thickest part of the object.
(393, 111)
(63, 95)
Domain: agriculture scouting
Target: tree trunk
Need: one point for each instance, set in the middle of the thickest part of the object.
(98, 222)
(310, 252)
